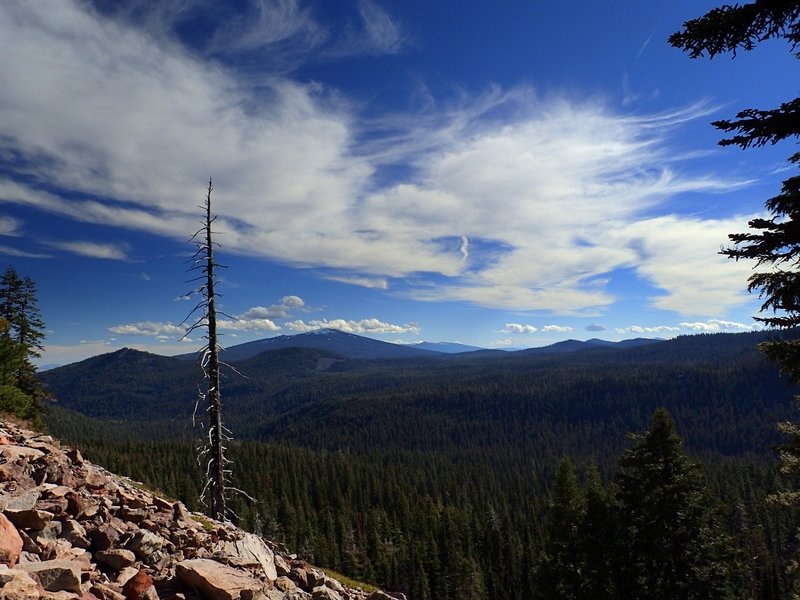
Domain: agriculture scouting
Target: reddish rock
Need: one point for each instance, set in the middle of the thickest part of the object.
(215, 581)
(137, 586)
(19, 453)
(117, 559)
(18, 585)
(75, 503)
(75, 456)
(29, 519)
(10, 542)
(104, 537)
(106, 592)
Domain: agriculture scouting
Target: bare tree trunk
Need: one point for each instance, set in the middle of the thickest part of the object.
(216, 465)
(214, 450)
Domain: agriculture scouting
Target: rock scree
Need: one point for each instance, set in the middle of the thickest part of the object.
(71, 530)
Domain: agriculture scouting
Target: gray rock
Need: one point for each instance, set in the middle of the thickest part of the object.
(145, 544)
(25, 500)
(117, 559)
(253, 550)
(16, 584)
(56, 575)
(49, 532)
(75, 534)
(29, 519)
(323, 593)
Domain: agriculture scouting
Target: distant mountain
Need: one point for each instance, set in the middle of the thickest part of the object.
(446, 347)
(346, 345)
(723, 389)
(577, 345)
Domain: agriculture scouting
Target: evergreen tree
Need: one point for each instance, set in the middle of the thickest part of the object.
(597, 540)
(22, 333)
(674, 545)
(558, 574)
(772, 241)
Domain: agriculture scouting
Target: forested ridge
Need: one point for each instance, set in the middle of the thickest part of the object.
(434, 477)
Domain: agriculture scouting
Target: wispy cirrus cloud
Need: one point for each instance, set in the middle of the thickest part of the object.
(92, 249)
(10, 251)
(368, 282)
(10, 226)
(538, 199)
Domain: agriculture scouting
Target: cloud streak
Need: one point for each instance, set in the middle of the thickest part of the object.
(111, 123)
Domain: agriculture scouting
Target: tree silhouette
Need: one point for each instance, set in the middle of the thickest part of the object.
(773, 241)
(674, 545)
(217, 471)
(22, 332)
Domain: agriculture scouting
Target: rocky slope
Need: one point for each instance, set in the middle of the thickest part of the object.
(69, 529)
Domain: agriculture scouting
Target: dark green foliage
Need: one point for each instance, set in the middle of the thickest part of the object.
(559, 574)
(773, 241)
(728, 28)
(674, 545)
(657, 533)
(438, 522)
(21, 336)
(542, 405)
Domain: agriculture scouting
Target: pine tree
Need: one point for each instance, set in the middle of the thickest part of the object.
(773, 241)
(673, 541)
(597, 540)
(22, 333)
(558, 574)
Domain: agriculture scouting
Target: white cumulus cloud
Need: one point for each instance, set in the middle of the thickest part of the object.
(518, 328)
(364, 326)
(151, 328)
(715, 325)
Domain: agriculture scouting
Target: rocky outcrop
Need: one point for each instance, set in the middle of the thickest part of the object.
(70, 530)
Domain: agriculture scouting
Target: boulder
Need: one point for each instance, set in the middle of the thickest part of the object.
(104, 537)
(106, 592)
(145, 544)
(254, 552)
(56, 575)
(75, 534)
(10, 542)
(117, 559)
(139, 587)
(215, 581)
(29, 519)
(16, 584)
(323, 593)
(20, 500)
(19, 453)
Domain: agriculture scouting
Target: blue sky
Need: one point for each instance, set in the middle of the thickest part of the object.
(504, 174)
